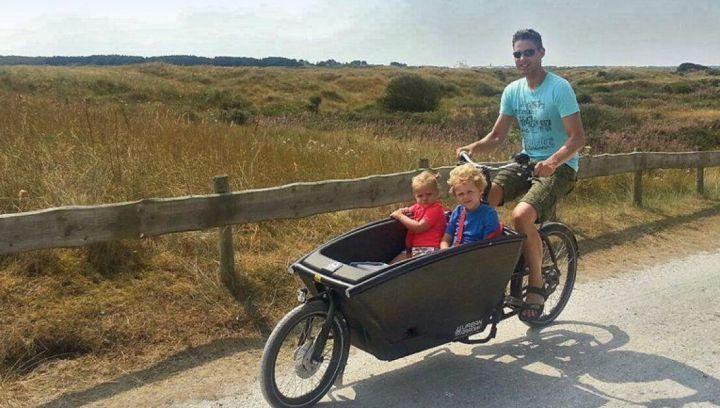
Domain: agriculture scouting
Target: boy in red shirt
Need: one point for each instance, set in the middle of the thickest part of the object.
(425, 221)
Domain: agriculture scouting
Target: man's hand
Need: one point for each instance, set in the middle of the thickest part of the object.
(462, 149)
(544, 168)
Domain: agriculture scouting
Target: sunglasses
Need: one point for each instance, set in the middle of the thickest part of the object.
(526, 53)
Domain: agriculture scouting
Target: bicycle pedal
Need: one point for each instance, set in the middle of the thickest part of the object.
(512, 301)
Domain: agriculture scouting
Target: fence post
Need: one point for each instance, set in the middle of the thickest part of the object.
(423, 164)
(700, 177)
(637, 185)
(225, 244)
(700, 180)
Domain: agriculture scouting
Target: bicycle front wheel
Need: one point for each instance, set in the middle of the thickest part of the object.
(288, 376)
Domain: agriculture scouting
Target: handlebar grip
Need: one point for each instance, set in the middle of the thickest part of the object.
(464, 157)
(522, 158)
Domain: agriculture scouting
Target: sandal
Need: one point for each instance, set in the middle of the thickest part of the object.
(535, 309)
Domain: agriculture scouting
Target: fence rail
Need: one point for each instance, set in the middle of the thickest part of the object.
(76, 226)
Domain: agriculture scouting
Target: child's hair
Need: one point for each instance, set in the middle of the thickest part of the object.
(466, 172)
(425, 179)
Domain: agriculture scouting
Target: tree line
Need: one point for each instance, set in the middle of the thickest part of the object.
(184, 60)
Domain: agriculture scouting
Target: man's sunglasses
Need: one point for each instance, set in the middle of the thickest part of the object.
(526, 53)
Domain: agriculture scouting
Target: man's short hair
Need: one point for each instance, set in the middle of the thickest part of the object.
(528, 34)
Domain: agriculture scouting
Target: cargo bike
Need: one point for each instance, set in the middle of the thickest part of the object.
(351, 297)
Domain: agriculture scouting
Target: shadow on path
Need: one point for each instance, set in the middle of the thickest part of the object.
(185, 360)
(568, 364)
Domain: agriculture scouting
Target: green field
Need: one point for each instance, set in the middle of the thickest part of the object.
(89, 135)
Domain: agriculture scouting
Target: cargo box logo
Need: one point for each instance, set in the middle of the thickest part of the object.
(468, 328)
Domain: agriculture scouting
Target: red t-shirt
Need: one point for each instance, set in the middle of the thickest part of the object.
(435, 216)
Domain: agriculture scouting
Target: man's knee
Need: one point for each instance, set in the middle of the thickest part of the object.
(524, 215)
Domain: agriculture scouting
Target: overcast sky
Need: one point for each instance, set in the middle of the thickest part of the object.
(474, 32)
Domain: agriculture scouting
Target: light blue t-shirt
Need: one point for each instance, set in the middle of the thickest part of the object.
(539, 113)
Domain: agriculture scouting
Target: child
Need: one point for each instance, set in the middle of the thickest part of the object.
(425, 221)
(472, 220)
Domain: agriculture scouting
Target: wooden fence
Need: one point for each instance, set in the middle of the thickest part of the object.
(76, 226)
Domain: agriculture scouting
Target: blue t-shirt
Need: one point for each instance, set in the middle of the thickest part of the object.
(539, 113)
(478, 224)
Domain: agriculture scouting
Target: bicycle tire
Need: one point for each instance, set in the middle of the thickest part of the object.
(564, 245)
(339, 339)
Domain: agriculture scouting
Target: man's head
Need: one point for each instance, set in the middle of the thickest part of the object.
(528, 51)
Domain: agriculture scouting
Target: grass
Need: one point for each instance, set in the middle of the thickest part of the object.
(88, 135)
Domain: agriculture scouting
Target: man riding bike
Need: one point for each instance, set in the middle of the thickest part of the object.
(546, 109)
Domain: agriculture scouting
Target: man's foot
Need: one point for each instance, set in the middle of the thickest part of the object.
(534, 304)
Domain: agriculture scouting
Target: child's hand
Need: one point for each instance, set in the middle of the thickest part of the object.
(398, 213)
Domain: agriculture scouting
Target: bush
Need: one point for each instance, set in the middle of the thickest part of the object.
(678, 88)
(602, 118)
(332, 95)
(314, 103)
(411, 93)
(233, 115)
(484, 89)
(584, 98)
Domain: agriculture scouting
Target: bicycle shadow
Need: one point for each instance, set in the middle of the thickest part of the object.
(177, 363)
(567, 364)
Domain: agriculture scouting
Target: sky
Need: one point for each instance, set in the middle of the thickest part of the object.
(415, 32)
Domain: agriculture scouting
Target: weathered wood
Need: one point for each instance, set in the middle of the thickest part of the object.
(228, 277)
(637, 189)
(82, 225)
(639, 160)
(700, 181)
(608, 164)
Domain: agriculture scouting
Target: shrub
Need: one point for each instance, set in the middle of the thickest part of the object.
(223, 99)
(233, 115)
(584, 98)
(599, 117)
(678, 88)
(484, 89)
(411, 93)
(332, 95)
(314, 103)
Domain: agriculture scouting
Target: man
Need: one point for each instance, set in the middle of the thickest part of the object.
(545, 107)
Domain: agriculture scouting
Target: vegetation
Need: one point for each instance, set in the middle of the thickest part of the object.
(411, 93)
(91, 135)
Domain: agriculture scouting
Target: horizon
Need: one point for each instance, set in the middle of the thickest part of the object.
(621, 33)
(344, 63)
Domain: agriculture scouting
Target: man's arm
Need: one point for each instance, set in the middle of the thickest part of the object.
(575, 142)
(491, 140)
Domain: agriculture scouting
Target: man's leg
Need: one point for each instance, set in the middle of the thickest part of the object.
(523, 218)
(495, 196)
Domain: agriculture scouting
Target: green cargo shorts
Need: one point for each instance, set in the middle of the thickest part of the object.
(542, 192)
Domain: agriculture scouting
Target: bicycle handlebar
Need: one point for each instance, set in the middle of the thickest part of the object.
(521, 161)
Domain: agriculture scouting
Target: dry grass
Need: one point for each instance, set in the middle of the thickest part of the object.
(99, 135)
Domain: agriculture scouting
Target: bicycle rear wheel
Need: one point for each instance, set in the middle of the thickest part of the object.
(559, 268)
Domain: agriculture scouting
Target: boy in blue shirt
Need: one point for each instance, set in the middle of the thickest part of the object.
(472, 220)
(544, 106)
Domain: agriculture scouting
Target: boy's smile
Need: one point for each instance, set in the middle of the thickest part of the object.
(468, 195)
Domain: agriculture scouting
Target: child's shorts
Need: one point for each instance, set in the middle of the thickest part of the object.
(417, 251)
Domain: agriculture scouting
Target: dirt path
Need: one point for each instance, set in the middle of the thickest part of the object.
(223, 374)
